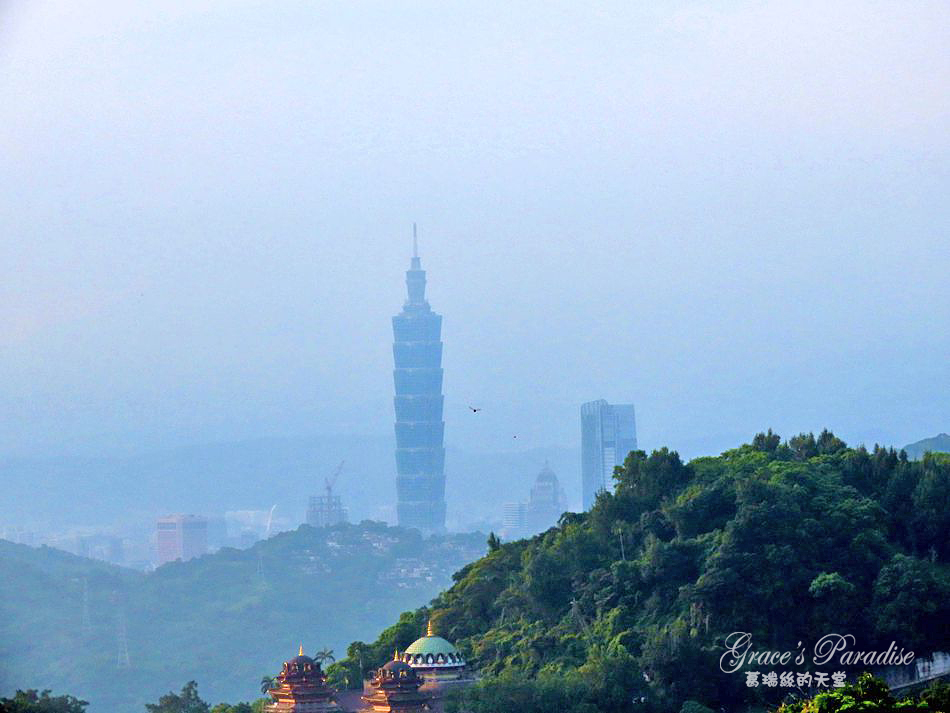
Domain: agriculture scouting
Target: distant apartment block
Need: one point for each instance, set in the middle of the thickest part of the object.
(514, 519)
(608, 434)
(181, 537)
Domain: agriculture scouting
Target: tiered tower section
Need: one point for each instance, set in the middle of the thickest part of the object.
(420, 454)
(395, 689)
(301, 687)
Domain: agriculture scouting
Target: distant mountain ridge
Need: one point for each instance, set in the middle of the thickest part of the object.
(938, 444)
(224, 619)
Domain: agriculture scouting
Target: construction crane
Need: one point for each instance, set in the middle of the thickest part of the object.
(326, 510)
(331, 481)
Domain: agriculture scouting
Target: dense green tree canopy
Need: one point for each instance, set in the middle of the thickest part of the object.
(255, 707)
(187, 701)
(626, 607)
(871, 695)
(33, 701)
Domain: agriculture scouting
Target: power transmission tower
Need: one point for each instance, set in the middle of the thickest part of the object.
(122, 659)
(86, 620)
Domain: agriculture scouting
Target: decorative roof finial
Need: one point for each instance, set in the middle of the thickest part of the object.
(396, 655)
(415, 242)
(301, 650)
(430, 630)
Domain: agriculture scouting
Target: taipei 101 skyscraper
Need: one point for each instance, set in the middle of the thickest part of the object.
(420, 454)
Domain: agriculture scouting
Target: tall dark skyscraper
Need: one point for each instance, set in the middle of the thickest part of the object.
(420, 454)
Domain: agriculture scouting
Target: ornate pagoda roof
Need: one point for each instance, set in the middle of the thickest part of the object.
(301, 682)
(395, 687)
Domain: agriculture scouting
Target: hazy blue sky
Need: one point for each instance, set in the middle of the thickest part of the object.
(734, 215)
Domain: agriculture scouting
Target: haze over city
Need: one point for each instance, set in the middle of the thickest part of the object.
(474, 357)
(207, 211)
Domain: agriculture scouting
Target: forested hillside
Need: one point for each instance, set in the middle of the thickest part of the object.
(788, 541)
(224, 619)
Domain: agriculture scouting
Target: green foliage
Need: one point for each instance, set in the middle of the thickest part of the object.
(937, 697)
(624, 608)
(187, 701)
(573, 692)
(33, 701)
(696, 706)
(361, 659)
(244, 707)
(910, 603)
(768, 443)
(324, 656)
(803, 446)
(236, 708)
(871, 695)
(931, 500)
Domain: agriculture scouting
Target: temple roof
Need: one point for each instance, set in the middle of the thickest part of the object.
(432, 644)
(301, 669)
(398, 666)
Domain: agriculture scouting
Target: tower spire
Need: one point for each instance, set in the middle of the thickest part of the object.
(416, 276)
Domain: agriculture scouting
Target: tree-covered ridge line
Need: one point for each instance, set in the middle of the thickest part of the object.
(785, 540)
(316, 586)
(34, 701)
(187, 701)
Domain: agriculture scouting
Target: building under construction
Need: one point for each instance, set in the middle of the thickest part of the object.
(325, 510)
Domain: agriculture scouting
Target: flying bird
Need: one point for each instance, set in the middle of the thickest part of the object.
(474, 410)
